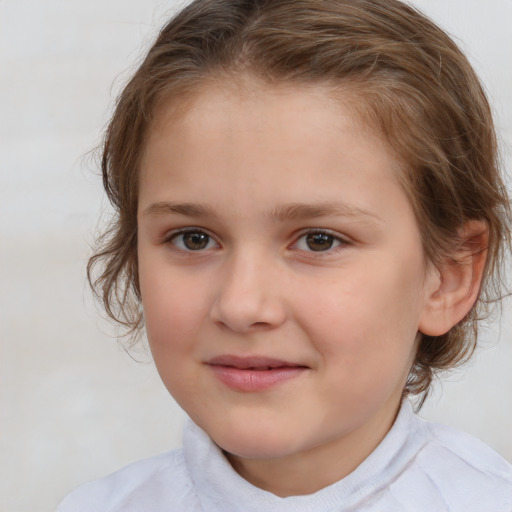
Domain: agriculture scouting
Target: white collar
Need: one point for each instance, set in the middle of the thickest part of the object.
(221, 489)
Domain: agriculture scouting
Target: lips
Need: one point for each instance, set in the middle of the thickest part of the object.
(252, 374)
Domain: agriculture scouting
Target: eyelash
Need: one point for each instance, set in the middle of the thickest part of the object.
(332, 238)
(170, 239)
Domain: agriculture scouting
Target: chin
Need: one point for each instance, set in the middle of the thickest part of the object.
(255, 443)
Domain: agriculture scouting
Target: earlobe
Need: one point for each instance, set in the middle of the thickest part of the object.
(457, 282)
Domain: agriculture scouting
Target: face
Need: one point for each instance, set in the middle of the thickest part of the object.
(281, 271)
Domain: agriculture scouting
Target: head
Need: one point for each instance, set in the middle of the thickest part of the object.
(401, 76)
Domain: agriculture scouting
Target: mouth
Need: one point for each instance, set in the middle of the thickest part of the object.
(252, 374)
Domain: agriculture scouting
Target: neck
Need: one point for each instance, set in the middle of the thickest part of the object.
(309, 471)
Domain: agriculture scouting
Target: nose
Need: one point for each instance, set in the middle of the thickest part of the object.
(249, 296)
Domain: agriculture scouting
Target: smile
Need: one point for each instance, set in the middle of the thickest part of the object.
(252, 374)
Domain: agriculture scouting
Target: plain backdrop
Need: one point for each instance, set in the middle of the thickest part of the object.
(73, 404)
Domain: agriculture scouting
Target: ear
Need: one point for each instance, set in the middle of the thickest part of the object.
(453, 287)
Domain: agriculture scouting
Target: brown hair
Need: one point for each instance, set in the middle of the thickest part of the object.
(411, 83)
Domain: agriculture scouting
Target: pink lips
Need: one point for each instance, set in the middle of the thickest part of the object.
(253, 373)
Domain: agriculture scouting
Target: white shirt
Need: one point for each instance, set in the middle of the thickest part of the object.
(418, 467)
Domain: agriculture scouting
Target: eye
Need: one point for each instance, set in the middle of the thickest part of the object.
(318, 241)
(192, 240)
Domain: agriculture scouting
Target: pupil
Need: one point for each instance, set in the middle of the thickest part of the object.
(195, 241)
(319, 241)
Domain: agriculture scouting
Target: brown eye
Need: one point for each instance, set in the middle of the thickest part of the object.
(193, 241)
(319, 241)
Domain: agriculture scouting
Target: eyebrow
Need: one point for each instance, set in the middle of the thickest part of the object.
(185, 209)
(293, 211)
(302, 211)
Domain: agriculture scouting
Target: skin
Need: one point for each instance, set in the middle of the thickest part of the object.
(250, 173)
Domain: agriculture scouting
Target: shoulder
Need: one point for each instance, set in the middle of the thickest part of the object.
(150, 484)
(461, 470)
(465, 451)
(469, 449)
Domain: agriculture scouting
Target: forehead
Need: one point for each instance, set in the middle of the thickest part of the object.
(219, 99)
(289, 141)
(215, 99)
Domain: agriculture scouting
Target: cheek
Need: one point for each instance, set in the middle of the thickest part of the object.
(172, 305)
(366, 321)
(172, 311)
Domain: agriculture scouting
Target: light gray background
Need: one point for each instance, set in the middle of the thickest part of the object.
(73, 404)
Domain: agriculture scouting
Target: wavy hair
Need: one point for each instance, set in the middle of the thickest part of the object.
(412, 85)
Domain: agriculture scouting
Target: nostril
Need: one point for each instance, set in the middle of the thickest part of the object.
(260, 324)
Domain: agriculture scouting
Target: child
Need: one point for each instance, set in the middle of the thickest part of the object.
(310, 221)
